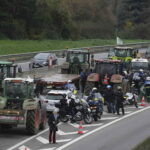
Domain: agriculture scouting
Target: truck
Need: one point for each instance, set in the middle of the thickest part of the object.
(19, 106)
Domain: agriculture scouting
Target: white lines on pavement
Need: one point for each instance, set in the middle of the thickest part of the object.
(67, 133)
(128, 112)
(48, 148)
(63, 140)
(108, 118)
(85, 125)
(23, 147)
(42, 140)
(45, 141)
(100, 128)
(28, 139)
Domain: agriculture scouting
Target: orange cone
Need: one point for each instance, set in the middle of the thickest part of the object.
(142, 102)
(80, 130)
(105, 80)
(25, 148)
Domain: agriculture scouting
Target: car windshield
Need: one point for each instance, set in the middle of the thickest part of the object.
(139, 65)
(54, 96)
(14, 90)
(41, 56)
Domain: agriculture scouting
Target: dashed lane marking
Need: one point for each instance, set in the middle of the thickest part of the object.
(67, 133)
(48, 148)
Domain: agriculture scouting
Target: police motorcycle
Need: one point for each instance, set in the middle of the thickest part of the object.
(131, 99)
(96, 106)
(79, 112)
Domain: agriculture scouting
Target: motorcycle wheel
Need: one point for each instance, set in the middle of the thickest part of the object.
(64, 119)
(95, 118)
(88, 119)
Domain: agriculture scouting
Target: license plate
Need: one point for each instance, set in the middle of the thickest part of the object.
(93, 110)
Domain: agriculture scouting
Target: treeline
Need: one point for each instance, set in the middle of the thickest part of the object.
(74, 19)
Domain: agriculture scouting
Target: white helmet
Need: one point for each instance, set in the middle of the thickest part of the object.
(69, 81)
(73, 97)
(94, 89)
(141, 70)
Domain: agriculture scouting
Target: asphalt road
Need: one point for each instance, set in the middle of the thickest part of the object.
(112, 132)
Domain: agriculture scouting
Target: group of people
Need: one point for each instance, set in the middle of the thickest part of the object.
(114, 99)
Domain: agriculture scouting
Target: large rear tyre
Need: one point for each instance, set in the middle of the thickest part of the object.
(33, 121)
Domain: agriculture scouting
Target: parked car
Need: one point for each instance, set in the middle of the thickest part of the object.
(41, 59)
(54, 96)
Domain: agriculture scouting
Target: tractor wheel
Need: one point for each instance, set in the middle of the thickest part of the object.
(32, 121)
(88, 87)
(43, 122)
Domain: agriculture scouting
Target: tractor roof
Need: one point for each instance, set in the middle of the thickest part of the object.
(139, 60)
(19, 79)
(6, 63)
(124, 48)
(79, 51)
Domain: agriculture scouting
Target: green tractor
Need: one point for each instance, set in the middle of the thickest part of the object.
(126, 54)
(75, 61)
(7, 69)
(19, 106)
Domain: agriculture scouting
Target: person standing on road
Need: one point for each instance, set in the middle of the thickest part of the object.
(119, 100)
(52, 122)
(109, 99)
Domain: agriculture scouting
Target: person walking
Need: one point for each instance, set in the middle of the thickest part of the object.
(119, 100)
(52, 122)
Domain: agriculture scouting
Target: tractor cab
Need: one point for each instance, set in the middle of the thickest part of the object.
(123, 53)
(75, 61)
(18, 88)
(7, 69)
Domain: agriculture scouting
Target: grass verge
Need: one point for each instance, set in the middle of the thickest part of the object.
(24, 46)
(145, 145)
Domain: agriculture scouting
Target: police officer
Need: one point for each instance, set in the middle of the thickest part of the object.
(119, 100)
(109, 98)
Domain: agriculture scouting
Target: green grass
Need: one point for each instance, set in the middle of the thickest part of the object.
(24, 46)
(145, 145)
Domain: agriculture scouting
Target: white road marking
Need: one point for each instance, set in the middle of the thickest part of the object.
(63, 140)
(108, 118)
(28, 139)
(100, 128)
(85, 125)
(128, 112)
(48, 148)
(63, 133)
(42, 140)
(23, 147)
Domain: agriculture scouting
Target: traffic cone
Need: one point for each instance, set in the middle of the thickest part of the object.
(105, 80)
(142, 102)
(25, 148)
(80, 130)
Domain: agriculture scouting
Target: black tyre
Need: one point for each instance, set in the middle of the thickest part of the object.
(32, 121)
(88, 119)
(95, 118)
(64, 119)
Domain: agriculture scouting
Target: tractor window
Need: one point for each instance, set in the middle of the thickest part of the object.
(120, 53)
(76, 58)
(139, 65)
(14, 90)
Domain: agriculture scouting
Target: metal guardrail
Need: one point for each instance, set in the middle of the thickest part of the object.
(95, 49)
